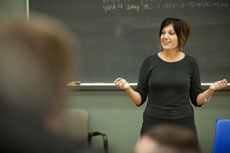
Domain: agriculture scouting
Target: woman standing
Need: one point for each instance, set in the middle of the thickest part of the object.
(170, 79)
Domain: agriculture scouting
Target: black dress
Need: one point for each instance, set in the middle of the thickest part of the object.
(169, 86)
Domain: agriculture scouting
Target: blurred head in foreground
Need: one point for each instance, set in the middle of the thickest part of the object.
(167, 139)
(35, 66)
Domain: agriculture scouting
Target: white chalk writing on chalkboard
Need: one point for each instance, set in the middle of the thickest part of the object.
(115, 36)
(148, 5)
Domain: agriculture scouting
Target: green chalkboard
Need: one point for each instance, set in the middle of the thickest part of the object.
(116, 35)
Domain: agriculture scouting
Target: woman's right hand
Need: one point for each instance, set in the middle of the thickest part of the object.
(219, 85)
(133, 95)
(121, 83)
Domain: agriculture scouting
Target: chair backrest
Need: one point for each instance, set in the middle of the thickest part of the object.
(222, 136)
(75, 124)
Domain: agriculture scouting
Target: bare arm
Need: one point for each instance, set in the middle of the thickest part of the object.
(201, 98)
(133, 95)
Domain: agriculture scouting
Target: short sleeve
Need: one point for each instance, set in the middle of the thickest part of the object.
(195, 85)
(142, 85)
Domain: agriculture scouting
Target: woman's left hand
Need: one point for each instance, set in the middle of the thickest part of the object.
(219, 85)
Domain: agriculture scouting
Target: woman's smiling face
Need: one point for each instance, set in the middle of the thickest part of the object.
(169, 39)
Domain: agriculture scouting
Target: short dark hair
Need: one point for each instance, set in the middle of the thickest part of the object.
(181, 28)
(173, 138)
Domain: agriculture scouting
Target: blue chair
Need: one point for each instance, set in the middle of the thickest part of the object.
(222, 136)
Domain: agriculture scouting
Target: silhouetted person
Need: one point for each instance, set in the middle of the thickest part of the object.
(35, 66)
(166, 138)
